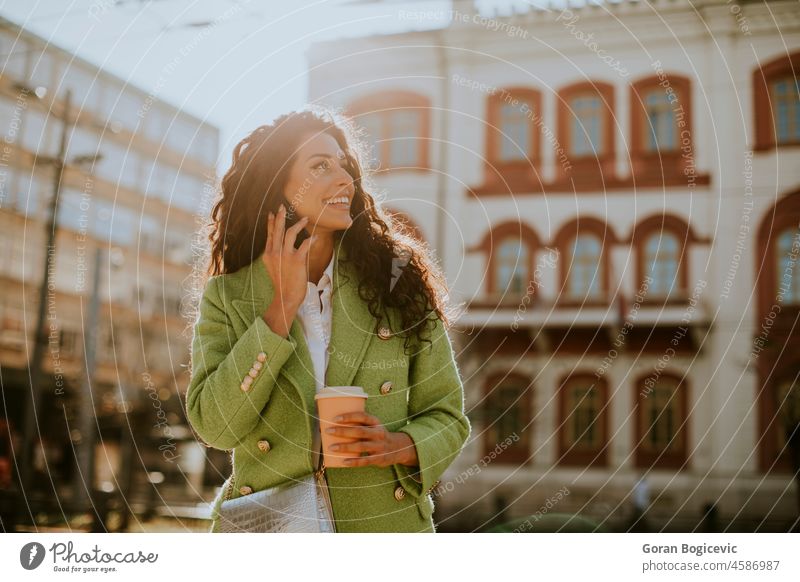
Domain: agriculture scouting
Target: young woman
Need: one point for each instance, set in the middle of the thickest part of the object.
(358, 302)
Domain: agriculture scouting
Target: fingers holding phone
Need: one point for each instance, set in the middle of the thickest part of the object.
(284, 259)
(291, 220)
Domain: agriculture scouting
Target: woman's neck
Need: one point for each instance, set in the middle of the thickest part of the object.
(319, 255)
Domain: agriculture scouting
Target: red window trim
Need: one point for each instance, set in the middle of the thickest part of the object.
(774, 362)
(686, 237)
(661, 168)
(590, 174)
(521, 451)
(763, 115)
(677, 460)
(569, 456)
(383, 103)
(491, 242)
(518, 174)
(587, 168)
(565, 236)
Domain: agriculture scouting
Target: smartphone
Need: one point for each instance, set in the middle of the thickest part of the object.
(291, 220)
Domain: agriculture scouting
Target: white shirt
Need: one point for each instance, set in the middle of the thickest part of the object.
(314, 316)
(315, 320)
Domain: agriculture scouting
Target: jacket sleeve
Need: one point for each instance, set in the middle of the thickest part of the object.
(438, 425)
(217, 408)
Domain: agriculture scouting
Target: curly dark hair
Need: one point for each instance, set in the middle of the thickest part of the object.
(254, 186)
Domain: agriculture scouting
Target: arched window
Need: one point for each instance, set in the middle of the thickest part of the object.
(397, 123)
(583, 420)
(777, 270)
(583, 280)
(512, 267)
(788, 266)
(583, 245)
(776, 101)
(662, 243)
(507, 415)
(508, 249)
(661, 259)
(661, 439)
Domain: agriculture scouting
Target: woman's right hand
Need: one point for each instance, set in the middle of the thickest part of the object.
(285, 265)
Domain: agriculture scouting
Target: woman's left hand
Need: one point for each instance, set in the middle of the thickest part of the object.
(382, 447)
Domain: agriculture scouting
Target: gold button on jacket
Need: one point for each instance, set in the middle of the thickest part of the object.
(386, 387)
(263, 445)
(399, 493)
(245, 490)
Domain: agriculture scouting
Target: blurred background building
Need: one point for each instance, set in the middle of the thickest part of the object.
(136, 172)
(614, 194)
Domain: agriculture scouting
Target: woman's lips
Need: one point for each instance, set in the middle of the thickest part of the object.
(340, 206)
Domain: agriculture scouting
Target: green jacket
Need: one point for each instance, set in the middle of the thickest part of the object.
(268, 426)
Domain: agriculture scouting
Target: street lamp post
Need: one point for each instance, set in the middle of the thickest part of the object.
(40, 336)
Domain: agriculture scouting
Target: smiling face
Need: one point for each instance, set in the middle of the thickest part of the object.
(319, 187)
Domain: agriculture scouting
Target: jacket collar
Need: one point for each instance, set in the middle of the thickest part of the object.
(352, 325)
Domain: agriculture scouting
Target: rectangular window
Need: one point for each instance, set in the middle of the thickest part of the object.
(507, 418)
(586, 126)
(83, 142)
(69, 342)
(15, 53)
(36, 130)
(403, 138)
(150, 234)
(42, 70)
(129, 172)
(583, 405)
(661, 419)
(660, 130)
(786, 107)
(585, 270)
(74, 213)
(515, 144)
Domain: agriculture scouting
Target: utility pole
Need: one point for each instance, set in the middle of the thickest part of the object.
(35, 366)
(84, 496)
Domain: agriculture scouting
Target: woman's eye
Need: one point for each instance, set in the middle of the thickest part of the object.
(324, 165)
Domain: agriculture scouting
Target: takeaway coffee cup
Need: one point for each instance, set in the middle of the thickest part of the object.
(331, 402)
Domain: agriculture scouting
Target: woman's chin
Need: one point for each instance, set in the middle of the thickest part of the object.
(332, 224)
(336, 220)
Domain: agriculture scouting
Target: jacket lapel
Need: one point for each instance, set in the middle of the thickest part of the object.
(352, 326)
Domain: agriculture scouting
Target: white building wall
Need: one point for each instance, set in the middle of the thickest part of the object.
(702, 41)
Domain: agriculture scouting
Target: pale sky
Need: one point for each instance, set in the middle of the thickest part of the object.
(245, 66)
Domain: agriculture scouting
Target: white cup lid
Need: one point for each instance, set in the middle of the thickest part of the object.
(339, 391)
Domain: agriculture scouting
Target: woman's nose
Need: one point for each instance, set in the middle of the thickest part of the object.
(344, 177)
